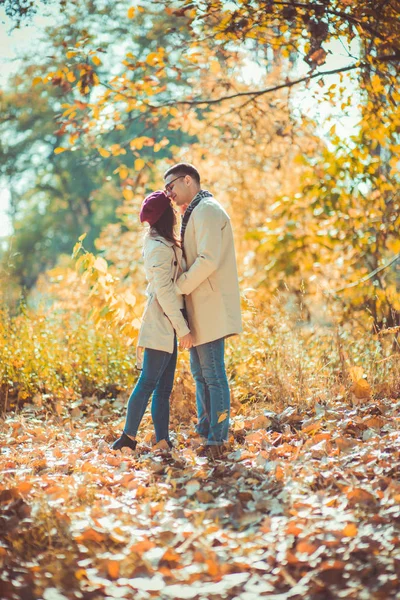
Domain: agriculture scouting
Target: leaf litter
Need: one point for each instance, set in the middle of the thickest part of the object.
(304, 505)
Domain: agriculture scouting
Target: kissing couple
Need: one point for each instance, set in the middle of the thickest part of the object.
(192, 295)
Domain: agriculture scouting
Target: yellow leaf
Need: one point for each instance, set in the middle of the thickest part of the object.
(59, 150)
(96, 60)
(376, 84)
(222, 417)
(356, 373)
(117, 150)
(139, 142)
(76, 249)
(37, 80)
(153, 58)
(71, 77)
(127, 194)
(215, 66)
(139, 164)
(100, 264)
(104, 153)
(131, 12)
(123, 172)
(71, 53)
(130, 298)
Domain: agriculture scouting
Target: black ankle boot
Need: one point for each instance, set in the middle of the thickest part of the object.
(124, 440)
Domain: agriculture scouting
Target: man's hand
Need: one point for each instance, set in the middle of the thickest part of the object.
(186, 341)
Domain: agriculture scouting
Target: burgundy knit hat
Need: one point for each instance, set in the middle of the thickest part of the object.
(154, 205)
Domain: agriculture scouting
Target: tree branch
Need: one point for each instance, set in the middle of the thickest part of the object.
(345, 16)
(367, 277)
(287, 84)
(257, 93)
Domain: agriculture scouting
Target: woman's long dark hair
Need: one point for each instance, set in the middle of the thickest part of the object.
(166, 226)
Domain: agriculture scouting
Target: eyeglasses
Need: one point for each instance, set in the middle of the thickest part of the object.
(168, 188)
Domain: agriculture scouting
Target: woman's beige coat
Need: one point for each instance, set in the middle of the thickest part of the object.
(162, 314)
(210, 284)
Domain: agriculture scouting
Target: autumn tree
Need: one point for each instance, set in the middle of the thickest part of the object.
(56, 196)
(335, 225)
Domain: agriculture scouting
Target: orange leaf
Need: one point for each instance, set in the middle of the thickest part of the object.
(113, 569)
(293, 529)
(213, 567)
(361, 389)
(80, 574)
(142, 547)
(350, 530)
(24, 487)
(306, 548)
(91, 535)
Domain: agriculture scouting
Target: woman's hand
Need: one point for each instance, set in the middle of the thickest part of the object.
(186, 341)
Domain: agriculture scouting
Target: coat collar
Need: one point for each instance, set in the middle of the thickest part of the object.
(159, 238)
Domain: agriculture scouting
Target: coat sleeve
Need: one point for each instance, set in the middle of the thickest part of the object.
(209, 222)
(158, 262)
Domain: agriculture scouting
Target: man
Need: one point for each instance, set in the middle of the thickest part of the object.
(211, 287)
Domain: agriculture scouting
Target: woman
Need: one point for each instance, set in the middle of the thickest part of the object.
(163, 320)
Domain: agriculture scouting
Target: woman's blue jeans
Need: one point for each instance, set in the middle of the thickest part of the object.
(157, 378)
(212, 391)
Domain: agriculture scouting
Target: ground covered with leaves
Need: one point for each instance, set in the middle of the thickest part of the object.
(306, 504)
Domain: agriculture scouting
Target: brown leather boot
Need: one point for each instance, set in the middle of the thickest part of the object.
(212, 452)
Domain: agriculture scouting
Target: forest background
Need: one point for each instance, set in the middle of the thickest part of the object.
(306, 163)
(290, 112)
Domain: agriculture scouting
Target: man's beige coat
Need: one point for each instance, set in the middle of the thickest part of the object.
(210, 284)
(162, 314)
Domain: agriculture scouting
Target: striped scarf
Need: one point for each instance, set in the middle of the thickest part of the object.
(196, 200)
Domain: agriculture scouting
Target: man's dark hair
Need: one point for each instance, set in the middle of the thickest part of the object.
(183, 169)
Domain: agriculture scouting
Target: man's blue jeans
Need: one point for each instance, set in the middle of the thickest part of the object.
(212, 391)
(157, 378)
